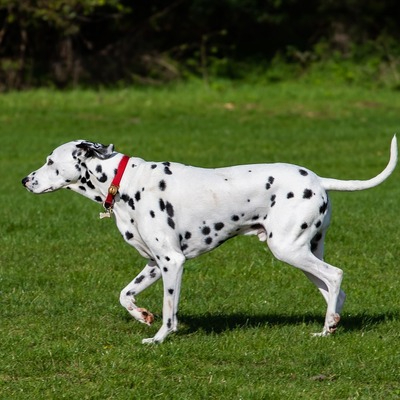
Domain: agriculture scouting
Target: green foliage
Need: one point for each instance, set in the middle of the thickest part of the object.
(245, 318)
(66, 43)
(64, 15)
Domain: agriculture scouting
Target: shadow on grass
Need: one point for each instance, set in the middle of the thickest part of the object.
(218, 323)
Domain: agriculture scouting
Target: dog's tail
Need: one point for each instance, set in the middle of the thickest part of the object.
(352, 185)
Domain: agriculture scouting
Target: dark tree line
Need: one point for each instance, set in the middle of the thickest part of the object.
(90, 42)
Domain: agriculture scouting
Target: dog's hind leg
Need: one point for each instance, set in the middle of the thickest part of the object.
(150, 274)
(317, 248)
(327, 277)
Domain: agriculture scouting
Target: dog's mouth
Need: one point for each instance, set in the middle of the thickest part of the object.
(31, 189)
(31, 185)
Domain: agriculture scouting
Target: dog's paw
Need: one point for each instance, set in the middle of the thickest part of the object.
(324, 333)
(150, 341)
(142, 315)
(331, 328)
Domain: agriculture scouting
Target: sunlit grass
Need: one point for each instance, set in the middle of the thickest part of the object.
(246, 318)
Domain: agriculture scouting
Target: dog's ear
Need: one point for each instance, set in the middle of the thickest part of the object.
(96, 149)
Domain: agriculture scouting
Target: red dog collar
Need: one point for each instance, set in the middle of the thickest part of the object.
(113, 189)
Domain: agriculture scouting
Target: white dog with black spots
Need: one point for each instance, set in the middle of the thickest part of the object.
(172, 212)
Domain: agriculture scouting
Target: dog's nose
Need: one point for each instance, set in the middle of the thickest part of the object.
(25, 181)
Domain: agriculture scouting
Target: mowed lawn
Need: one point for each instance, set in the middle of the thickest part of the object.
(246, 319)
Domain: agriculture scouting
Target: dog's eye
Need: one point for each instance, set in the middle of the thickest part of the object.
(50, 161)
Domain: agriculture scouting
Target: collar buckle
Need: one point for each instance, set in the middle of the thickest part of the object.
(114, 187)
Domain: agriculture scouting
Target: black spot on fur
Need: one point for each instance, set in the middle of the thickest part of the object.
(137, 196)
(208, 240)
(125, 197)
(139, 279)
(170, 291)
(162, 205)
(235, 218)
(99, 169)
(169, 323)
(152, 214)
(290, 195)
(307, 194)
(154, 166)
(167, 258)
(82, 188)
(255, 217)
(318, 224)
(270, 182)
(170, 209)
(131, 203)
(171, 223)
(188, 235)
(165, 269)
(103, 178)
(318, 237)
(206, 230)
(270, 235)
(314, 246)
(304, 225)
(90, 184)
(128, 235)
(166, 168)
(323, 208)
(218, 226)
(153, 273)
(303, 172)
(98, 199)
(162, 185)
(184, 247)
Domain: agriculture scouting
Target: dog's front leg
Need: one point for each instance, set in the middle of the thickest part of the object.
(150, 274)
(172, 278)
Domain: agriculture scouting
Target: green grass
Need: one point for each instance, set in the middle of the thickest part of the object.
(245, 318)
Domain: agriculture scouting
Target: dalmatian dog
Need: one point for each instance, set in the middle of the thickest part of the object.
(171, 212)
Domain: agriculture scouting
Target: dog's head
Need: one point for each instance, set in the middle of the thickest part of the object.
(64, 165)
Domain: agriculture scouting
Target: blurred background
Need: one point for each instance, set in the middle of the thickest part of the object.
(69, 43)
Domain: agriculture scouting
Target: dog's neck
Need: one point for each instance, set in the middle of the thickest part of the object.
(96, 177)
